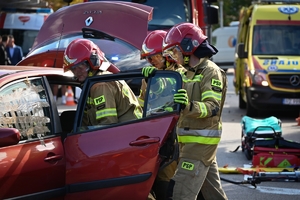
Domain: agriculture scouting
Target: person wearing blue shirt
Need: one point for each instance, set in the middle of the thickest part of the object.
(14, 52)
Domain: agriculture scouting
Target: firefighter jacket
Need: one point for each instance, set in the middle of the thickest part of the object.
(158, 88)
(199, 127)
(111, 102)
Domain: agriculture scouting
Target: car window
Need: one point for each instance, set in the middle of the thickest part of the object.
(24, 106)
(119, 52)
(158, 99)
(160, 96)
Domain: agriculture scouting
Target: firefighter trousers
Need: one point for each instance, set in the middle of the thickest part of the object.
(193, 175)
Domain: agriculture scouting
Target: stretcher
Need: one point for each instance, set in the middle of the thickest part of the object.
(262, 142)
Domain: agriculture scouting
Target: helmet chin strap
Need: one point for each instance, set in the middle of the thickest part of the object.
(200, 61)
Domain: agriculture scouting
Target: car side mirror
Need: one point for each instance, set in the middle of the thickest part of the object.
(9, 136)
(241, 51)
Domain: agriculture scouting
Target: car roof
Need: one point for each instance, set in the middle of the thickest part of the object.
(124, 20)
(10, 73)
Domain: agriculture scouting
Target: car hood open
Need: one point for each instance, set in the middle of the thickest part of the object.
(124, 20)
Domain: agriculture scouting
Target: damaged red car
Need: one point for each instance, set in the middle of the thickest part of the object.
(47, 154)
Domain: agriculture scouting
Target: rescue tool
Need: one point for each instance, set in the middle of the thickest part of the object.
(258, 177)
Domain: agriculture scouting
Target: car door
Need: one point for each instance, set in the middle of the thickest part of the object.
(121, 161)
(35, 166)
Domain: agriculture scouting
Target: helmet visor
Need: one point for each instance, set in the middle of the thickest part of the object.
(173, 54)
(82, 66)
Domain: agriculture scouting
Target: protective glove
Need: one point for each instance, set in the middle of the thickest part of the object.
(182, 98)
(148, 71)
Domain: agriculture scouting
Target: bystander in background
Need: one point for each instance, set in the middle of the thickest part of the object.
(14, 52)
(4, 60)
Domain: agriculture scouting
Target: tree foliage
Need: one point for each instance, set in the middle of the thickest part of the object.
(56, 4)
(231, 9)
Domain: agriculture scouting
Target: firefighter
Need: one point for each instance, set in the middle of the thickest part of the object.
(152, 51)
(199, 127)
(108, 102)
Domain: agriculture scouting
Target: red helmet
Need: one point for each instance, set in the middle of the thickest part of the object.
(186, 36)
(83, 50)
(152, 43)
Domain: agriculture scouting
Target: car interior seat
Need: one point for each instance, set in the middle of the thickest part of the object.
(67, 118)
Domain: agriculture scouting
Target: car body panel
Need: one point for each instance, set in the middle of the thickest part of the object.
(32, 167)
(119, 161)
(98, 161)
(61, 22)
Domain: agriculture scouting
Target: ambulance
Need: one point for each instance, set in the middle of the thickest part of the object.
(267, 66)
(224, 39)
(24, 24)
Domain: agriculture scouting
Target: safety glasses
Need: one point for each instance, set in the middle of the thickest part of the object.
(82, 66)
(172, 53)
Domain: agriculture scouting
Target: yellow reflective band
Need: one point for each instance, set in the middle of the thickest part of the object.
(109, 112)
(138, 113)
(217, 83)
(168, 109)
(99, 100)
(187, 166)
(161, 87)
(197, 78)
(125, 91)
(203, 110)
(171, 80)
(141, 102)
(89, 101)
(211, 94)
(198, 139)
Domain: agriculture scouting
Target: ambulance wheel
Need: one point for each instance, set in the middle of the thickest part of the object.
(248, 154)
(242, 103)
(242, 142)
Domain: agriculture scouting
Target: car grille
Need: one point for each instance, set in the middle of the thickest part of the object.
(283, 81)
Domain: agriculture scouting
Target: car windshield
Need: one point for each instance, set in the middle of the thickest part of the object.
(286, 42)
(166, 13)
(123, 55)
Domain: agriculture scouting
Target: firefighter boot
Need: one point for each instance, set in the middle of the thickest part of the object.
(160, 189)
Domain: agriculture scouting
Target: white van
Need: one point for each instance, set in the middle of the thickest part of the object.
(225, 39)
(24, 24)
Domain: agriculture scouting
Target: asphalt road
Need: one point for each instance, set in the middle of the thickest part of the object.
(231, 138)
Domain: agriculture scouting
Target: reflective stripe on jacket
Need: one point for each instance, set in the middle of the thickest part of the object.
(159, 86)
(111, 102)
(200, 121)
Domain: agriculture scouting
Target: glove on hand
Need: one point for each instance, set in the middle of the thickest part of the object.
(181, 97)
(148, 71)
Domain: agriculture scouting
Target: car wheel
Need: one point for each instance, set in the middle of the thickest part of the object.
(242, 103)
